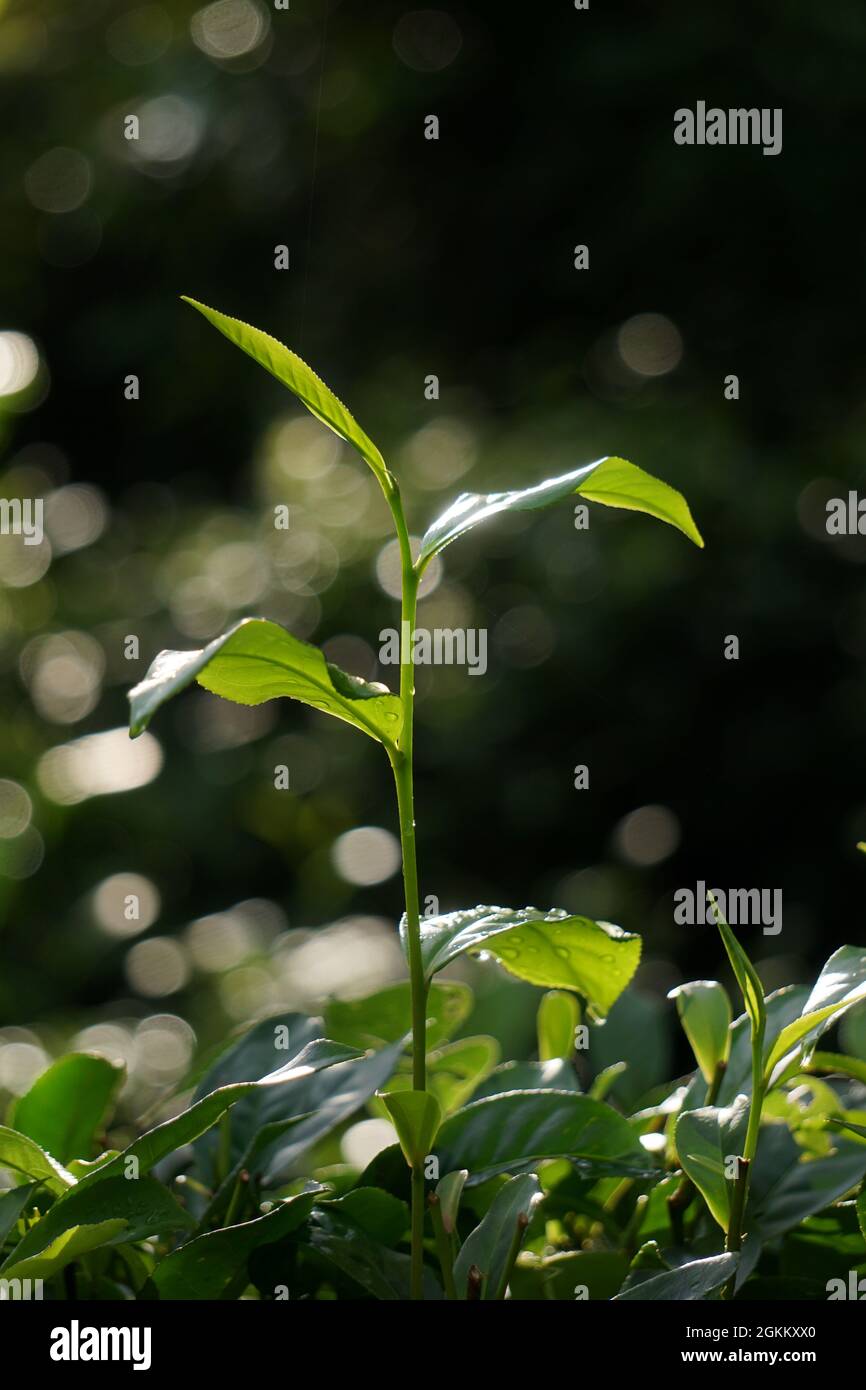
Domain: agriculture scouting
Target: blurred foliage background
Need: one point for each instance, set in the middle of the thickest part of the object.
(409, 257)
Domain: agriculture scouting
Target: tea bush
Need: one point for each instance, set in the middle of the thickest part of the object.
(517, 1179)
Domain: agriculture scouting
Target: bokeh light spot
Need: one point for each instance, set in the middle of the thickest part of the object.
(98, 765)
(367, 855)
(647, 836)
(363, 1141)
(156, 967)
(59, 180)
(650, 344)
(75, 516)
(389, 570)
(16, 809)
(229, 28)
(125, 904)
(19, 362)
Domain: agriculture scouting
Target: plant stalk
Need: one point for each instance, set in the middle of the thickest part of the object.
(402, 764)
(403, 781)
(740, 1197)
(514, 1250)
(418, 1204)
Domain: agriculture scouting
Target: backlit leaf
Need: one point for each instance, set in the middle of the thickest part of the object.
(705, 1013)
(552, 949)
(66, 1105)
(841, 983)
(612, 481)
(707, 1140)
(691, 1281)
(257, 660)
(416, 1116)
(556, 1022)
(25, 1157)
(294, 373)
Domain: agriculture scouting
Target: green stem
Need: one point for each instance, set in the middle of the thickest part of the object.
(740, 1197)
(757, 1106)
(738, 1206)
(417, 1268)
(239, 1191)
(631, 1234)
(402, 764)
(514, 1250)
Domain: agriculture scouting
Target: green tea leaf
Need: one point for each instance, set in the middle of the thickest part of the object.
(449, 1190)
(556, 1075)
(386, 1016)
(823, 1247)
(66, 1105)
(841, 984)
(691, 1281)
(843, 975)
(143, 1153)
(607, 1078)
(705, 1013)
(416, 1116)
(77, 1241)
(490, 1245)
(379, 1215)
(552, 949)
(207, 1267)
(515, 1131)
(804, 1108)
(786, 1186)
(257, 660)
(707, 1140)
(25, 1156)
(142, 1206)
(637, 1032)
(611, 481)
(272, 1125)
(587, 1274)
(378, 1271)
(261, 1050)
(845, 1123)
(782, 1006)
(289, 369)
(556, 1024)
(12, 1204)
(838, 1062)
(852, 1032)
(746, 975)
(861, 1210)
(454, 1072)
